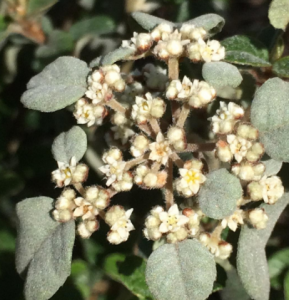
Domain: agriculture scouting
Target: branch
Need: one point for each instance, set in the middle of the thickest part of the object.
(199, 147)
(115, 105)
(155, 126)
(177, 160)
(169, 193)
(183, 116)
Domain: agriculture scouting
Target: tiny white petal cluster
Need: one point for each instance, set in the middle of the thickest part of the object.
(191, 178)
(160, 150)
(71, 173)
(139, 145)
(149, 179)
(193, 225)
(191, 32)
(148, 108)
(140, 42)
(258, 218)
(177, 138)
(202, 94)
(234, 220)
(249, 171)
(120, 225)
(226, 117)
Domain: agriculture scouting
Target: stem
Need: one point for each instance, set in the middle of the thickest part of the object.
(216, 234)
(199, 147)
(169, 194)
(146, 129)
(177, 160)
(156, 166)
(155, 125)
(131, 163)
(173, 66)
(183, 116)
(115, 105)
(80, 189)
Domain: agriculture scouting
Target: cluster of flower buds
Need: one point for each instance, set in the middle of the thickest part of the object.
(148, 178)
(117, 176)
(218, 247)
(196, 94)
(68, 174)
(258, 218)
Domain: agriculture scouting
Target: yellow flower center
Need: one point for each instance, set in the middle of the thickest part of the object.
(172, 220)
(145, 106)
(67, 172)
(192, 177)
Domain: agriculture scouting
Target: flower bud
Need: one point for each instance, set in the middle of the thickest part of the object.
(223, 151)
(247, 131)
(80, 174)
(255, 191)
(258, 218)
(63, 215)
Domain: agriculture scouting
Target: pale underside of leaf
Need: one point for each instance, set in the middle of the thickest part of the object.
(116, 55)
(278, 13)
(147, 21)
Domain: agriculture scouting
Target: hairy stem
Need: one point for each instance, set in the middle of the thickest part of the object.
(146, 129)
(169, 194)
(199, 147)
(183, 116)
(173, 66)
(78, 186)
(156, 166)
(177, 160)
(115, 105)
(131, 163)
(216, 234)
(155, 126)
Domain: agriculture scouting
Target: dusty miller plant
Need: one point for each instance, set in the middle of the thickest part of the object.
(223, 180)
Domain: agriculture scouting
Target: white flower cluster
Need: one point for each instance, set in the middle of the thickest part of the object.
(234, 220)
(196, 94)
(269, 189)
(149, 179)
(160, 149)
(120, 225)
(117, 176)
(219, 248)
(71, 173)
(191, 178)
(248, 171)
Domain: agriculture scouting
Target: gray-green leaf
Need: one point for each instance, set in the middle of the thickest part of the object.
(270, 115)
(219, 194)
(281, 67)
(44, 248)
(244, 50)
(184, 270)
(118, 54)
(278, 13)
(69, 144)
(221, 74)
(147, 21)
(60, 84)
(272, 166)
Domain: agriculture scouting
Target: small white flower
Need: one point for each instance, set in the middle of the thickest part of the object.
(226, 117)
(174, 88)
(191, 178)
(272, 189)
(147, 178)
(144, 109)
(113, 171)
(202, 94)
(63, 176)
(112, 155)
(247, 131)
(139, 145)
(99, 93)
(177, 138)
(160, 150)
(224, 250)
(123, 184)
(248, 171)
(87, 228)
(194, 221)
(180, 90)
(238, 146)
(97, 196)
(258, 218)
(119, 221)
(234, 220)
(152, 224)
(191, 32)
(211, 51)
(161, 31)
(223, 151)
(142, 41)
(172, 220)
(84, 209)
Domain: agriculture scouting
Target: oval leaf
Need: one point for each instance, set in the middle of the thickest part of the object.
(270, 115)
(278, 13)
(219, 194)
(147, 21)
(272, 167)
(130, 271)
(116, 55)
(281, 67)
(184, 270)
(278, 262)
(60, 84)
(244, 50)
(212, 23)
(69, 144)
(221, 74)
(43, 249)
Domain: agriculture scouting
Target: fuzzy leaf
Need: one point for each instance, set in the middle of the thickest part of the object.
(269, 114)
(212, 23)
(281, 67)
(116, 55)
(38, 6)
(221, 74)
(93, 26)
(272, 167)
(244, 50)
(95, 62)
(278, 262)
(60, 84)
(184, 270)
(278, 13)
(219, 194)
(130, 271)
(43, 249)
(286, 286)
(147, 21)
(251, 257)
(68, 144)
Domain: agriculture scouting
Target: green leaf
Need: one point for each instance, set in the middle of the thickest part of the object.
(59, 43)
(219, 194)
(278, 262)
(220, 282)
(272, 166)
(147, 21)
(286, 286)
(38, 6)
(130, 271)
(184, 270)
(68, 144)
(251, 258)
(92, 26)
(212, 23)
(80, 276)
(278, 13)
(43, 248)
(281, 67)
(244, 50)
(60, 84)
(116, 55)
(252, 265)
(270, 115)
(221, 74)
